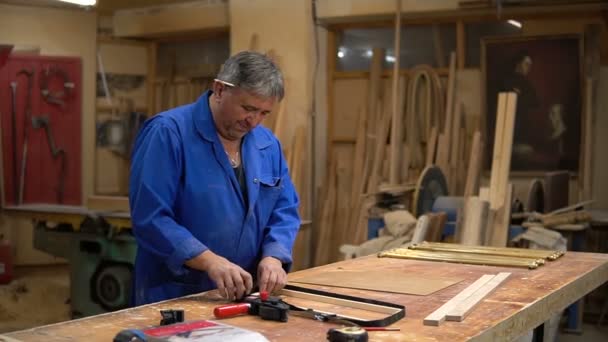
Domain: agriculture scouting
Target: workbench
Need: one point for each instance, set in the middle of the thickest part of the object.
(523, 302)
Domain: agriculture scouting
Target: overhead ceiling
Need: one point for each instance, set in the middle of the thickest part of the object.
(103, 6)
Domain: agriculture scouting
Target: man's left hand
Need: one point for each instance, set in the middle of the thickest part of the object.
(271, 275)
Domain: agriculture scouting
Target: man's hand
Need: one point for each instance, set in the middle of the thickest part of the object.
(232, 281)
(271, 275)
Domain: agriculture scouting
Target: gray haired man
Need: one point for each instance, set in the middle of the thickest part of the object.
(212, 204)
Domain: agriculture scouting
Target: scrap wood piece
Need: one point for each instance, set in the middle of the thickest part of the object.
(436, 224)
(474, 221)
(464, 307)
(571, 207)
(566, 218)
(439, 315)
(422, 226)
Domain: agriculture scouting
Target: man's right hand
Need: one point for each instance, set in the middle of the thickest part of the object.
(232, 281)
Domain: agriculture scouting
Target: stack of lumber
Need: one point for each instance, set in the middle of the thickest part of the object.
(408, 123)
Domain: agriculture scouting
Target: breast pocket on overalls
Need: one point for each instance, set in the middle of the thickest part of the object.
(270, 190)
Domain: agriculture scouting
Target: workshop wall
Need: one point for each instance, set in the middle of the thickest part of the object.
(125, 67)
(58, 32)
(286, 28)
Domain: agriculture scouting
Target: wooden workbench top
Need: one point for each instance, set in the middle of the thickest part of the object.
(525, 300)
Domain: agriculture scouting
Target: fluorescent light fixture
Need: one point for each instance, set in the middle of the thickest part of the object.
(390, 59)
(514, 23)
(81, 2)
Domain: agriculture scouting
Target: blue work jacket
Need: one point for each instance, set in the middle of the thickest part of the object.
(185, 199)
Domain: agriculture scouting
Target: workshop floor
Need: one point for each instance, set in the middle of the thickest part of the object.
(40, 295)
(36, 296)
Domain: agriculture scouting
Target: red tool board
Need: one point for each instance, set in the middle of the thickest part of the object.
(45, 173)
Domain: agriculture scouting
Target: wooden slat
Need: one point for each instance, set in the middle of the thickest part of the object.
(498, 140)
(431, 147)
(378, 153)
(474, 170)
(331, 67)
(397, 94)
(586, 192)
(359, 160)
(460, 311)
(396, 147)
(445, 137)
(439, 315)
(500, 192)
(326, 214)
(443, 147)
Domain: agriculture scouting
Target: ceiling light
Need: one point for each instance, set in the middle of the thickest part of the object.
(340, 54)
(514, 23)
(390, 59)
(81, 2)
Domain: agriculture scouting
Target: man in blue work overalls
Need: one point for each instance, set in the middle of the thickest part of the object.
(211, 199)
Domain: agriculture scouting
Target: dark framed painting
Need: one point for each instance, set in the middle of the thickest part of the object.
(546, 74)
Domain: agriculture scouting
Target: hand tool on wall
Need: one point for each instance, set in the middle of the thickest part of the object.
(26, 124)
(44, 122)
(14, 137)
(57, 97)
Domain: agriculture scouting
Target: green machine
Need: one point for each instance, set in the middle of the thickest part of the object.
(100, 249)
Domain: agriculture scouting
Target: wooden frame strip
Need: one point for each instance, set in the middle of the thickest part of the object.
(463, 308)
(339, 301)
(439, 315)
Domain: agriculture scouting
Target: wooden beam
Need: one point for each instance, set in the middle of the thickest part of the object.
(472, 184)
(500, 190)
(586, 192)
(331, 67)
(174, 19)
(397, 110)
(339, 74)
